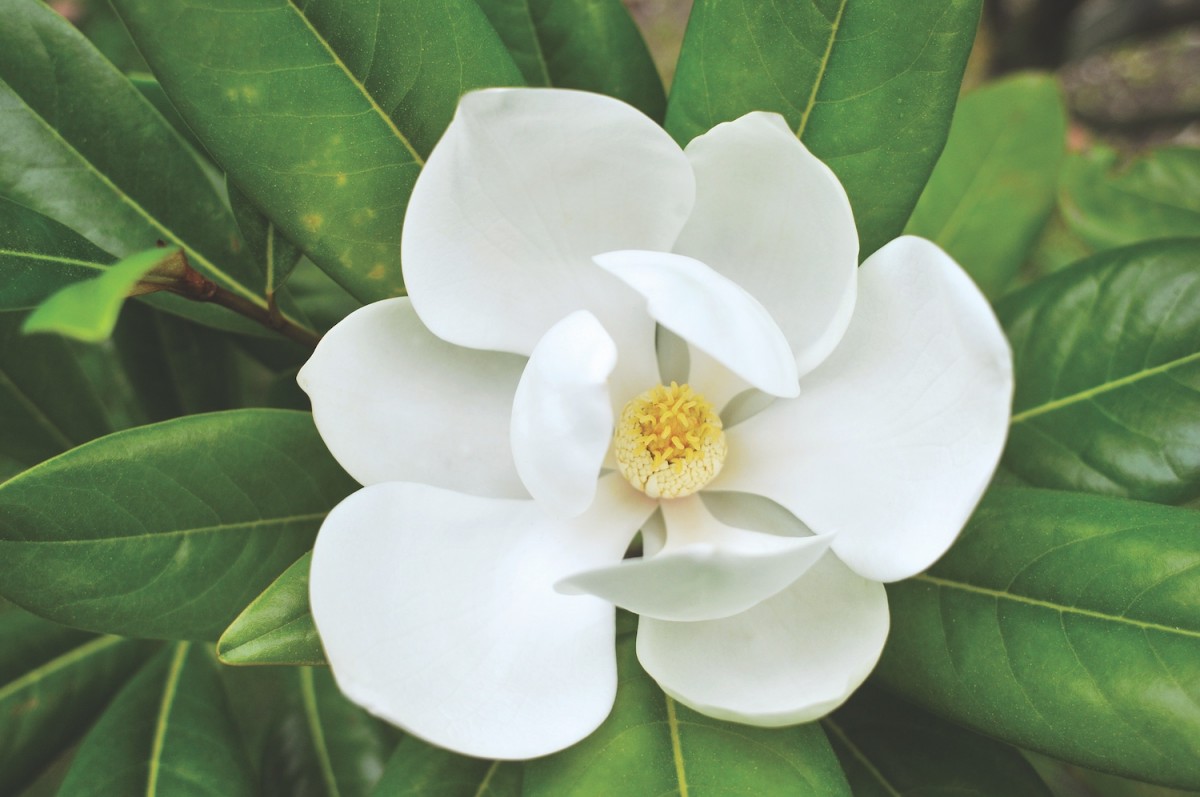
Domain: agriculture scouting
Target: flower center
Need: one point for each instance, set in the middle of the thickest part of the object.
(669, 442)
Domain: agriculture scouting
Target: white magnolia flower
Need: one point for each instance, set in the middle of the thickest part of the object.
(466, 592)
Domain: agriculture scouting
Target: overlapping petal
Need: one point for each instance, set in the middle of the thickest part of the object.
(792, 658)
(894, 438)
(437, 613)
(395, 403)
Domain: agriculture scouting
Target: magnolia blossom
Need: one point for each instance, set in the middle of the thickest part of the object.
(803, 431)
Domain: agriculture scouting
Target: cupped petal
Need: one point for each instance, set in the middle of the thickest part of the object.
(894, 438)
(394, 403)
(712, 313)
(775, 220)
(706, 570)
(792, 658)
(437, 613)
(562, 417)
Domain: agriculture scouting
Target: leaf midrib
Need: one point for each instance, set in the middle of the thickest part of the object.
(860, 756)
(821, 70)
(312, 716)
(170, 688)
(66, 261)
(59, 662)
(245, 524)
(676, 747)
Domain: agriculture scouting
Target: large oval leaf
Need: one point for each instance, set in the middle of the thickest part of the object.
(167, 530)
(168, 732)
(1107, 357)
(53, 683)
(1064, 623)
(325, 128)
(868, 85)
(652, 745)
(418, 769)
(277, 628)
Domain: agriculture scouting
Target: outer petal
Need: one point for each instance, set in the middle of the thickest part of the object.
(395, 403)
(562, 418)
(523, 189)
(775, 220)
(790, 659)
(895, 437)
(706, 569)
(712, 313)
(437, 613)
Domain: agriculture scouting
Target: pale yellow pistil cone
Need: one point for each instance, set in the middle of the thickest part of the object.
(669, 442)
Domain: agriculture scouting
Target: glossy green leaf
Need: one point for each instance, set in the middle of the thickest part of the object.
(38, 256)
(87, 310)
(153, 92)
(890, 748)
(995, 185)
(869, 86)
(167, 530)
(277, 254)
(1107, 357)
(323, 112)
(53, 682)
(418, 769)
(169, 732)
(650, 744)
(1064, 623)
(322, 745)
(592, 45)
(81, 145)
(277, 628)
(1108, 203)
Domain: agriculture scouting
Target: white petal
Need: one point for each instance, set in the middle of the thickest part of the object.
(790, 659)
(706, 570)
(523, 189)
(894, 438)
(712, 313)
(437, 613)
(562, 419)
(395, 403)
(775, 220)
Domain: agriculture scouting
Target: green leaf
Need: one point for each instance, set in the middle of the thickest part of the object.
(323, 745)
(869, 86)
(1107, 357)
(325, 127)
(53, 682)
(418, 769)
(889, 748)
(87, 310)
(277, 628)
(81, 145)
(652, 745)
(278, 255)
(38, 256)
(168, 732)
(592, 45)
(194, 517)
(1108, 203)
(1064, 623)
(995, 185)
(153, 92)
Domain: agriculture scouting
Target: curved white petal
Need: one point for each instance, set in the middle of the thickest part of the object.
(705, 571)
(523, 189)
(562, 417)
(710, 312)
(894, 438)
(792, 658)
(775, 220)
(395, 403)
(437, 613)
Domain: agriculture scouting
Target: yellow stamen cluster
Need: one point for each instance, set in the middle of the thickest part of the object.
(669, 442)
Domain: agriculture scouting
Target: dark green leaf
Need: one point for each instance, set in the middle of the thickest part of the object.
(592, 45)
(323, 745)
(150, 89)
(53, 683)
(167, 530)
(1109, 204)
(889, 748)
(277, 254)
(994, 186)
(323, 112)
(168, 732)
(277, 628)
(38, 256)
(1064, 623)
(652, 745)
(869, 86)
(1107, 357)
(418, 769)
